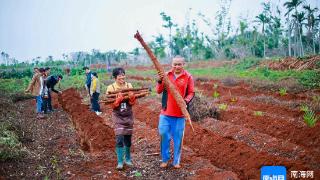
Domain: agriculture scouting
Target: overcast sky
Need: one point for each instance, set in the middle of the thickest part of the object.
(31, 28)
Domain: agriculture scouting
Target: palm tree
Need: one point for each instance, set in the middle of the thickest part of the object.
(263, 19)
(318, 20)
(3, 56)
(310, 24)
(292, 5)
(300, 17)
(7, 59)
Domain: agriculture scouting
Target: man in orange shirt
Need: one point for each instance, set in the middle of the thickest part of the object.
(172, 122)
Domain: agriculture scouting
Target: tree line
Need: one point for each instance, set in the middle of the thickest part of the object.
(273, 32)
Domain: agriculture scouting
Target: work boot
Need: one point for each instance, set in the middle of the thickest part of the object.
(128, 156)
(119, 151)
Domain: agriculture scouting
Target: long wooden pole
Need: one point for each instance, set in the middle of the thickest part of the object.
(168, 84)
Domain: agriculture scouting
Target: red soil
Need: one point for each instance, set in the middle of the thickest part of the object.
(237, 146)
(94, 135)
(225, 153)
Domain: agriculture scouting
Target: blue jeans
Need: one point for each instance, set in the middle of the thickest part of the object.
(171, 127)
(39, 103)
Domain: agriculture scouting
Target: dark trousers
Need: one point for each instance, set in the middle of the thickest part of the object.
(49, 100)
(123, 140)
(45, 105)
(95, 102)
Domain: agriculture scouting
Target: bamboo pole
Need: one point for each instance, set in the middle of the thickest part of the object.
(168, 84)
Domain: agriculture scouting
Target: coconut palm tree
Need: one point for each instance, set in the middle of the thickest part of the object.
(263, 19)
(292, 5)
(3, 56)
(300, 17)
(311, 23)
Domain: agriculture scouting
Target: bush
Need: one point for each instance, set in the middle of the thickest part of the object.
(247, 63)
(310, 79)
(10, 146)
(14, 85)
(13, 73)
(77, 71)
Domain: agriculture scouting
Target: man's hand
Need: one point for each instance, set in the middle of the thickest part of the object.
(160, 76)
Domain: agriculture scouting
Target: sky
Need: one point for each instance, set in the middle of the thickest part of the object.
(31, 28)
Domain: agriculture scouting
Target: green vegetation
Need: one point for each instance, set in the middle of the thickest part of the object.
(247, 68)
(258, 113)
(215, 94)
(14, 85)
(304, 108)
(309, 117)
(10, 146)
(223, 107)
(283, 91)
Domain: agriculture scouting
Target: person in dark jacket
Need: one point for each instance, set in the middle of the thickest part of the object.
(88, 79)
(88, 84)
(50, 82)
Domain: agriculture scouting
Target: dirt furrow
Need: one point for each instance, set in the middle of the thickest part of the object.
(225, 153)
(94, 135)
(302, 135)
(264, 142)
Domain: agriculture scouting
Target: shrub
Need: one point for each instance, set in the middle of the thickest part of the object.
(215, 94)
(223, 107)
(283, 91)
(258, 113)
(10, 146)
(310, 79)
(247, 63)
(310, 118)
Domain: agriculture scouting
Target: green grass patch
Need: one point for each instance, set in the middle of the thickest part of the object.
(10, 146)
(14, 85)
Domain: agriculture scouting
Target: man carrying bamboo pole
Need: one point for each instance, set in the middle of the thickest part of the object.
(172, 121)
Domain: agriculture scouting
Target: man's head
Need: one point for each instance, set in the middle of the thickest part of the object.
(119, 74)
(94, 74)
(177, 64)
(60, 77)
(47, 71)
(41, 71)
(86, 69)
(35, 70)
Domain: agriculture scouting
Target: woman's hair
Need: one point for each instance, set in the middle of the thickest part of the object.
(95, 74)
(118, 71)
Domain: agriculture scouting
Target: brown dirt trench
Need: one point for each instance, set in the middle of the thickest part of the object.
(206, 154)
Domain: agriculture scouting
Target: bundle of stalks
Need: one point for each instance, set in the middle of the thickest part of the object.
(138, 93)
(129, 89)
